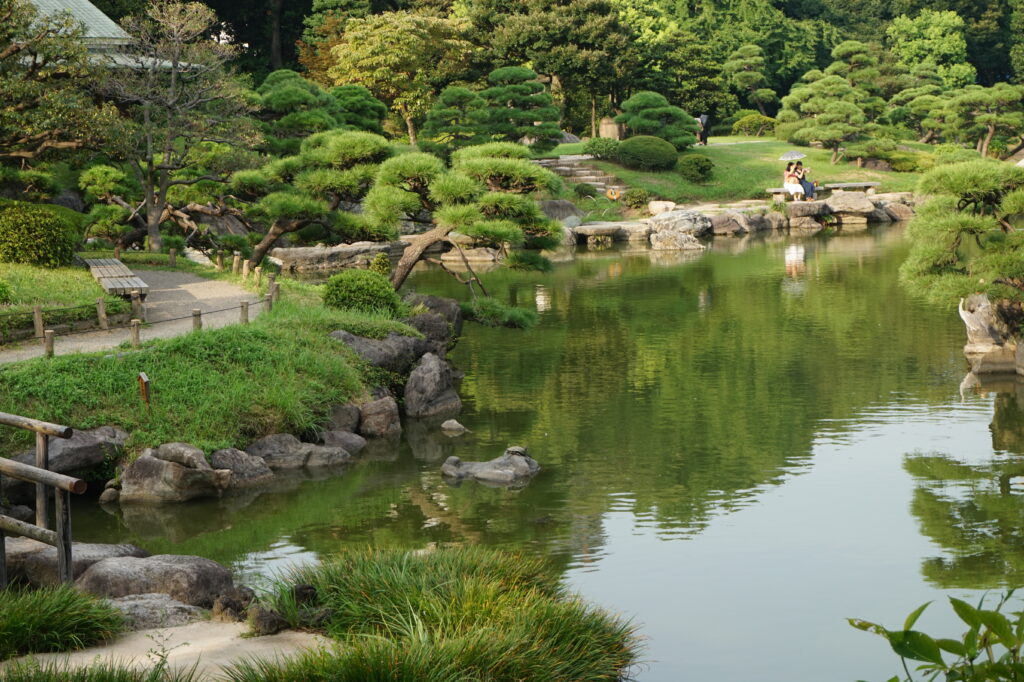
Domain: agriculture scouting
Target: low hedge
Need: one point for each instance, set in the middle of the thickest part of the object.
(363, 290)
(37, 234)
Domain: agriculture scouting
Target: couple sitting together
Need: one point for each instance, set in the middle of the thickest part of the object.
(796, 183)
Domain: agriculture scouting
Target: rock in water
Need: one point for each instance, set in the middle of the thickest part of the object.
(453, 428)
(515, 466)
(429, 391)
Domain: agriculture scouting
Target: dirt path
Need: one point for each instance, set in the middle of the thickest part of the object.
(172, 295)
(209, 646)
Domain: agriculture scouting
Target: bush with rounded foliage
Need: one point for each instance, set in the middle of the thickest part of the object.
(695, 167)
(501, 150)
(753, 124)
(6, 293)
(636, 197)
(601, 147)
(584, 190)
(361, 290)
(37, 235)
(648, 113)
(645, 152)
(510, 175)
(381, 264)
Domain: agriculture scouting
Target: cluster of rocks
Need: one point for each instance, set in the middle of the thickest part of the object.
(152, 591)
(514, 467)
(674, 228)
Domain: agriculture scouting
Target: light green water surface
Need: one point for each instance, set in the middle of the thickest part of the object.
(738, 452)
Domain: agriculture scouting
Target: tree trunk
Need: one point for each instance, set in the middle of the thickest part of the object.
(928, 136)
(764, 112)
(154, 213)
(414, 251)
(276, 62)
(593, 115)
(835, 155)
(987, 140)
(272, 235)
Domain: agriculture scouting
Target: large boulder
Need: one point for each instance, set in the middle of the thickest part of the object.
(148, 611)
(429, 391)
(395, 353)
(343, 417)
(515, 466)
(675, 241)
(681, 221)
(731, 223)
(775, 220)
(448, 308)
(163, 474)
(633, 231)
(434, 328)
(190, 579)
(850, 202)
(559, 209)
(879, 215)
(346, 440)
(36, 563)
(332, 258)
(85, 451)
(246, 470)
(379, 418)
(285, 451)
(991, 347)
(657, 207)
(805, 226)
(898, 211)
(803, 209)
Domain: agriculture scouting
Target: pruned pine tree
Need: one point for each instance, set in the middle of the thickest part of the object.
(520, 108)
(455, 121)
(649, 113)
(746, 71)
(486, 196)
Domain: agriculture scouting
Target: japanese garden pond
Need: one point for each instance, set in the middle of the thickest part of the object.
(740, 449)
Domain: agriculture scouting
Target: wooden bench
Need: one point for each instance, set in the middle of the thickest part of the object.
(781, 194)
(115, 277)
(856, 186)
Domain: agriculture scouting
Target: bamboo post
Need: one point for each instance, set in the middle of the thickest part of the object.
(245, 270)
(220, 260)
(244, 307)
(43, 462)
(48, 343)
(197, 319)
(65, 568)
(136, 341)
(268, 302)
(37, 320)
(172, 257)
(236, 263)
(136, 304)
(101, 313)
(259, 275)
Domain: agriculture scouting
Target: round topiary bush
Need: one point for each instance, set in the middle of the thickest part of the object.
(601, 147)
(646, 152)
(695, 167)
(381, 264)
(6, 293)
(361, 290)
(636, 197)
(36, 235)
(584, 190)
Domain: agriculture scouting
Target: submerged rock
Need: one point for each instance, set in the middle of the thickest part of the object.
(351, 442)
(453, 428)
(514, 466)
(429, 392)
(379, 418)
(285, 451)
(173, 472)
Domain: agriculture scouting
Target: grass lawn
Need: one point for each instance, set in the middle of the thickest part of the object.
(744, 171)
(215, 388)
(53, 289)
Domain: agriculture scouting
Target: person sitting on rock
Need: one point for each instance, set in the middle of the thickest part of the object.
(791, 183)
(807, 185)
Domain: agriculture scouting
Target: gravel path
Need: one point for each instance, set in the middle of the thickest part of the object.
(172, 295)
(209, 646)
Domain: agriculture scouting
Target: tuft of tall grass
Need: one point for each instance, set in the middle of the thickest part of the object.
(53, 619)
(33, 671)
(494, 313)
(453, 614)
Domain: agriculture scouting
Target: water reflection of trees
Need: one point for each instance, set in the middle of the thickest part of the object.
(975, 511)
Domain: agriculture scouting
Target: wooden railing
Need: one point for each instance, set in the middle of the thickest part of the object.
(43, 478)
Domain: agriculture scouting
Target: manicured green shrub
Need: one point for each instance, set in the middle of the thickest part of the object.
(361, 290)
(169, 242)
(455, 188)
(232, 242)
(636, 197)
(381, 264)
(35, 234)
(517, 106)
(502, 150)
(528, 260)
(585, 189)
(601, 147)
(649, 113)
(646, 152)
(951, 153)
(695, 167)
(753, 124)
(510, 175)
(493, 313)
(6, 293)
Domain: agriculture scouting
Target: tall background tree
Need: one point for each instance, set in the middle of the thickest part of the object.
(746, 71)
(179, 94)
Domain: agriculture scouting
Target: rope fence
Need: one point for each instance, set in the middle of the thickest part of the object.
(47, 336)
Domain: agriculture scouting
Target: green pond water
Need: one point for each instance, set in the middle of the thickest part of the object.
(739, 450)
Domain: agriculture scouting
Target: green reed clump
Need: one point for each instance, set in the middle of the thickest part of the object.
(454, 614)
(34, 671)
(53, 619)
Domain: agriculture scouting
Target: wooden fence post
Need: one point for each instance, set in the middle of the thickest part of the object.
(63, 509)
(137, 304)
(197, 319)
(259, 275)
(48, 343)
(136, 341)
(3, 560)
(244, 307)
(271, 278)
(101, 313)
(236, 263)
(220, 260)
(245, 270)
(172, 257)
(117, 252)
(268, 301)
(43, 462)
(37, 321)
(275, 291)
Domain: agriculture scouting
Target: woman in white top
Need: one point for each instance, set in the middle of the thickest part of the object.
(791, 182)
